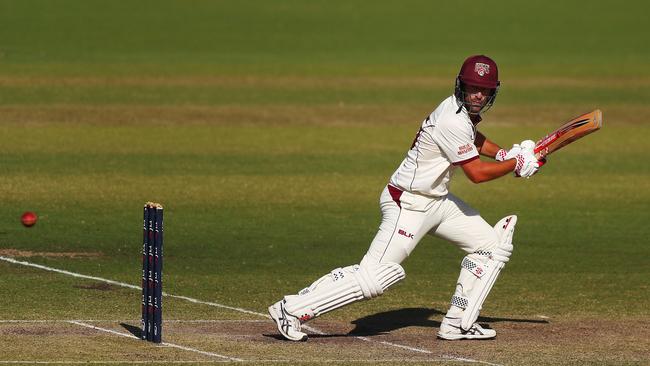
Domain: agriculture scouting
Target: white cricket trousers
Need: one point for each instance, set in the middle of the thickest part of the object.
(407, 217)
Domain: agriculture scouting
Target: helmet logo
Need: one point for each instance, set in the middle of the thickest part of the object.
(481, 69)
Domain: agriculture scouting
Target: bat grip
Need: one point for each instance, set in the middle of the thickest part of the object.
(540, 152)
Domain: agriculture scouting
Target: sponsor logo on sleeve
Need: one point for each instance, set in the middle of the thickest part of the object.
(462, 150)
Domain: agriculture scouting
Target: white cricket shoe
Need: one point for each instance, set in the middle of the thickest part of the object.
(288, 325)
(450, 330)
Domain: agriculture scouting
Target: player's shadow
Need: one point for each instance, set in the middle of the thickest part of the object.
(388, 321)
(385, 322)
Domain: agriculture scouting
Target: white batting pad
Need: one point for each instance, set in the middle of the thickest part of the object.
(341, 287)
(505, 228)
(485, 271)
(479, 293)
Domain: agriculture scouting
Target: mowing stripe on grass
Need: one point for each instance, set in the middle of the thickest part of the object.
(196, 301)
(163, 343)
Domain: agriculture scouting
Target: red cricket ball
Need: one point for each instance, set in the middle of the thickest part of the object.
(28, 219)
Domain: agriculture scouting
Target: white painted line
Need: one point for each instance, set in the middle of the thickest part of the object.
(396, 345)
(201, 352)
(312, 329)
(196, 301)
(104, 362)
(366, 339)
(212, 321)
(122, 284)
(163, 343)
(29, 264)
(408, 348)
(376, 361)
(190, 321)
(349, 361)
(103, 329)
(462, 359)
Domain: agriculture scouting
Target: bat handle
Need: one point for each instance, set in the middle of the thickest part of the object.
(540, 153)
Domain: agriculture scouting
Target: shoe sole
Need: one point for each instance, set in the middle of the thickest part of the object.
(275, 316)
(458, 337)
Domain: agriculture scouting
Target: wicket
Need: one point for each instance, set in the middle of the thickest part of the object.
(152, 258)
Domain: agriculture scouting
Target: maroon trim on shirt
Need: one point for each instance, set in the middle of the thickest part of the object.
(396, 193)
(465, 161)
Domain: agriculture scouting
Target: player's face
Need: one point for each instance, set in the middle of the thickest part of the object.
(476, 97)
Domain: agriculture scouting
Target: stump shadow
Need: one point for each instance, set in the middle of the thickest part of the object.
(136, 331)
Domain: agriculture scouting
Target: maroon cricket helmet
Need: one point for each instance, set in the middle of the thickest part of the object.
(480, 71)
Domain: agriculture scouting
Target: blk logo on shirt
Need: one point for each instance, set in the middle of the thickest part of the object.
(404, 233)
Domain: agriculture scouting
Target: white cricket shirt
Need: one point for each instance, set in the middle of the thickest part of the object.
(445, 140)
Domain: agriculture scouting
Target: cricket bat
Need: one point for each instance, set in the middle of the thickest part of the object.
(567, 133)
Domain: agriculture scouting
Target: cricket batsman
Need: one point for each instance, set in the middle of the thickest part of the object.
(417, 202)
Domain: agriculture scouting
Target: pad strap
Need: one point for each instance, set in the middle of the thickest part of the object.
(459, 301)
(476, 268)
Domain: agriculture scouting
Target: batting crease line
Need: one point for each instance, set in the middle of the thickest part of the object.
(104, 362)
(196, 301)
(130, 320)
(462, 359)
(219, 361)
(163, 343)
(395, 345)
(122, 284)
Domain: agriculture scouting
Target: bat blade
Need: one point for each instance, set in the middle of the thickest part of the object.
(567, 133)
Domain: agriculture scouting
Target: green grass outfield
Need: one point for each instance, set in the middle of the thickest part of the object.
(268, 130)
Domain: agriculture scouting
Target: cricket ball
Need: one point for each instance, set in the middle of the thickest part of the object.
(28, 219)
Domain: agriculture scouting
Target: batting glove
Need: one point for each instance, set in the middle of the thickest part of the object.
(503, 155)
(527, 164)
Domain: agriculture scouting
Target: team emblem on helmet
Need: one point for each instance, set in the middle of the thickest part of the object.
(481, 69)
